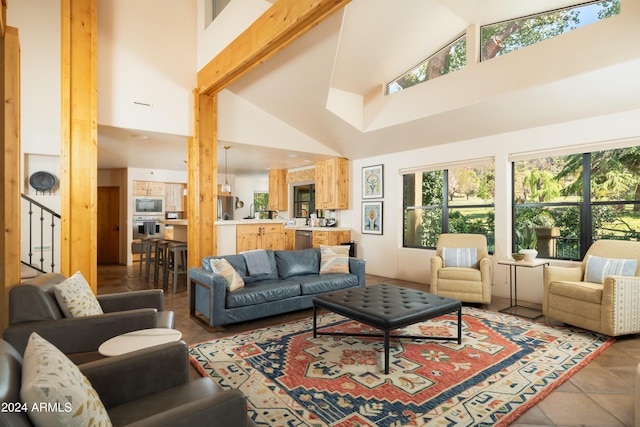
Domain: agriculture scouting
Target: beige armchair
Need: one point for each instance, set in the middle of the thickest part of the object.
(610, 308)
(468, 284)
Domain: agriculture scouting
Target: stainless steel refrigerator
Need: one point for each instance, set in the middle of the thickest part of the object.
(225, 207)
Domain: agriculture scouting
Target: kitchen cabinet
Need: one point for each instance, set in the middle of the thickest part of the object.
(330, 238)
(259, 236)
(173, 197)
(148, 188)
(332, 184)
(289, 240)
(278, 190)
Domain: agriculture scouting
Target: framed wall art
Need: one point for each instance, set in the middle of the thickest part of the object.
(372, 217)
(372, 182)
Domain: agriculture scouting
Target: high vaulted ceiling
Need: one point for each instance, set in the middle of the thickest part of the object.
(328, 84)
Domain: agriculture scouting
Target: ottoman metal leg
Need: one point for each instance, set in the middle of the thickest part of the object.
(386, 352)
(314, 322)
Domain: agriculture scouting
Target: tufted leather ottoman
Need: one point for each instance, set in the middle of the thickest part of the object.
(387, 307)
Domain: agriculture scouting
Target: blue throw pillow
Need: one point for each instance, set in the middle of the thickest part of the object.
(599, 268)
(460, 257)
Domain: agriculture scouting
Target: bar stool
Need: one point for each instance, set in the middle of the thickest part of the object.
(176, 263)
(160, 261)
(147, 254)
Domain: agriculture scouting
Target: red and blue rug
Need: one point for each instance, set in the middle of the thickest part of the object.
(504, 366)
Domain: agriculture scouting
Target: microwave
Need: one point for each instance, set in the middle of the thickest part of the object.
(148, 205)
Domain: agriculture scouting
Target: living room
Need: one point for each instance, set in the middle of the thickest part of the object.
(605, 117)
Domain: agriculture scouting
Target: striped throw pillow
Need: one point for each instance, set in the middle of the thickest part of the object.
(460, 257)
(599, 268)
(334, 259)
(222, 267)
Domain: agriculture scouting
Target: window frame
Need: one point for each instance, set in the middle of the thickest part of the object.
(585, 206)
(446, 204)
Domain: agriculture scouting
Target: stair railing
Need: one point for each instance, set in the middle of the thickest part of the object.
(41, 221)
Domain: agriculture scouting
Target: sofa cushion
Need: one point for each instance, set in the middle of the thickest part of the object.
(261, 292)
(334, 259)
(315, 283)
(460, 273)
(240, 265)
(460, 257)
(75, 297)
(599, 268)
(297, 262)
(226, 270)
(585, 291)
(50, 378)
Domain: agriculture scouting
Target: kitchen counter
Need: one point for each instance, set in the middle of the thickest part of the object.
(179, 228)
(174, 221)
(279, 221)
(310, 228)
(249, 221)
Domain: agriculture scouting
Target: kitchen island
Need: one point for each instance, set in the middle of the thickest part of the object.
(179, 229)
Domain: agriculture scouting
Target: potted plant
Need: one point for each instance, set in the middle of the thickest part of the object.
(528, 243)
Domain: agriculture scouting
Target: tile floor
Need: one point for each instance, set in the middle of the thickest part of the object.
(601, 394)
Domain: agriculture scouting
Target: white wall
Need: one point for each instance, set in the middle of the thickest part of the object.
(385, 254)
(237, 16)
(147, 54)
(38, 23)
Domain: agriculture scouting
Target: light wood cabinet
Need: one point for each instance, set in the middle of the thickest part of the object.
(173, 197)
(332, 184)
(330, 238)
(278, 190)
(148, 188)
(289, 240)
(259, 236)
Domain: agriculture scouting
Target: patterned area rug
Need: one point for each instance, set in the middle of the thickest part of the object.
(504, 366)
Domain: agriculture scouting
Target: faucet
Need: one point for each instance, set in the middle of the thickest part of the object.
(251, 210)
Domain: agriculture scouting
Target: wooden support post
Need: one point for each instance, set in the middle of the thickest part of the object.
(10, 186)
(79, 151)
(203, 180)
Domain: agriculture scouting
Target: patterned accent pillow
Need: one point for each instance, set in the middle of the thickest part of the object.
(75, 297)
(50, 378)
(598, 268)
(460, 257)
(222, 267)
(334, 259)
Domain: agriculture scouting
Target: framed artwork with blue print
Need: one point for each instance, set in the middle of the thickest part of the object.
(373, 182)
(372, 217)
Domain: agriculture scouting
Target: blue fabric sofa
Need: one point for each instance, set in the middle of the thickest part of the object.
(291, 284)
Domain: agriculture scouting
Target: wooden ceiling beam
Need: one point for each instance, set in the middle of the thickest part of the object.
(280, 25)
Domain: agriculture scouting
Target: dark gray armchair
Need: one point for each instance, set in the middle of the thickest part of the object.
(34, 308)
(147, 387)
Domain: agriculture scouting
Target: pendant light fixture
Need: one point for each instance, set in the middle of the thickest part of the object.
(226, 187)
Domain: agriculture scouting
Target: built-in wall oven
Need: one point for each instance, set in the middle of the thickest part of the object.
(148, 205)
(148, 225)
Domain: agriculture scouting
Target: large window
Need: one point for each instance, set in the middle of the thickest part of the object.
(504, 37)
(571, 201)
(447, 60)
(454, 200)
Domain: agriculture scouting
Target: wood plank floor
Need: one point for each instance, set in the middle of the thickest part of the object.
(601, 394)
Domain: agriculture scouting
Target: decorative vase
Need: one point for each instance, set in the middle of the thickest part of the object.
(529, 254)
